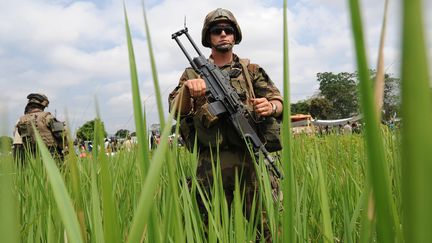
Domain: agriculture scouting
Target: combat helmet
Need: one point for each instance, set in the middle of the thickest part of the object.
(215, 16)
(37, 98)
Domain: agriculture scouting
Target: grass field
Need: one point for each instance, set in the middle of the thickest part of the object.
(372, 187)
(334, 162)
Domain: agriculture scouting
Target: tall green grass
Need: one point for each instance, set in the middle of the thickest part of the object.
(142, 137)
(288, 230)
(387, 222)
(151, 196)
(341, 158)
(60, 193)
(9, 223)
(417, 134)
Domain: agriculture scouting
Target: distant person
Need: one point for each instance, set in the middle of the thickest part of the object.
(128, 144)
(83, 152)
(107, 146)
(339, 129)
(347, 129)
(114, 144)
(90, 147)
(76, 147)
(355, 127)
(49, 128)
(327, 130)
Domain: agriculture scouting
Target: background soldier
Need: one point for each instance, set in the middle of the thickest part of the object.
(220, 33)
(48, 127)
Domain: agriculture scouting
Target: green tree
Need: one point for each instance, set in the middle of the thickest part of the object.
(122, 133)
(86, 131)
(6, 140)
(341, 91)
(392, 97)
(301, 107)
(320, 108)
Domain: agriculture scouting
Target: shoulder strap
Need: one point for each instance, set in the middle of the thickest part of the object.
(245, 63)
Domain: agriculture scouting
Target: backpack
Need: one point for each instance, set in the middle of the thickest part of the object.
(48, 128)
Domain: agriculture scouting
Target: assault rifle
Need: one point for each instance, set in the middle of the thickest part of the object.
(224, 100)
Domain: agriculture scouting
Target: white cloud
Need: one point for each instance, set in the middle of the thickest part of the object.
(75, 51)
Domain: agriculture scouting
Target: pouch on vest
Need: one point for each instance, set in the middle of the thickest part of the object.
(57, 128)
(269, 128)
(206, 117)
(26, 132)
(207, 136)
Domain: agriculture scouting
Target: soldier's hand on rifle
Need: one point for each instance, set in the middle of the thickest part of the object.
(262, 106)
(196, 87)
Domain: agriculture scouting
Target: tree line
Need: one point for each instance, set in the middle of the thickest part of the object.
(86, 131)
(338, 97)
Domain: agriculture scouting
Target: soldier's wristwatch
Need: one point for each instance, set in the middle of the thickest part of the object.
(274, 108)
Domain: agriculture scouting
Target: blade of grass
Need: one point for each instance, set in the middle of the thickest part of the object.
(61, 195)
(145, 203)
(98, 233)
(239, 225)
(154, 71)
(346, 226)
(143, 154)
(71, 161)
(288, 233)
(379, 79)
(173, 188)
(9, 220)
(360, 203)
(377, 166)
(110, 212)
(324, 204)
(367, 216)
(267, 198)
(416, 131)
(140, 124)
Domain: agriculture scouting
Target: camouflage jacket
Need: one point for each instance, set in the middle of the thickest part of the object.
(211, 133)
(46, 124)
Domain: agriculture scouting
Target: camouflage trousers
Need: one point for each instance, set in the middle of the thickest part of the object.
(232, 161)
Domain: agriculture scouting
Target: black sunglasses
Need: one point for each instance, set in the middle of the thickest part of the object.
(217, 30)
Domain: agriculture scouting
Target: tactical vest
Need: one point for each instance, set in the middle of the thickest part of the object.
(41, 121)
(212, 131)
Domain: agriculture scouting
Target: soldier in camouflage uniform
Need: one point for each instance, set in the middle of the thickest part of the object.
(48, 127)
(220, 33)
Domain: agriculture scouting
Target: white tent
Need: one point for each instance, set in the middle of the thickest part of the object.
(336, 122)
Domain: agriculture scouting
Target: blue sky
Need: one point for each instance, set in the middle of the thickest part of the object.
(75, 51)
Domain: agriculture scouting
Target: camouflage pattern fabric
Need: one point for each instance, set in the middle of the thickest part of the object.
(231, 161)
(41, 121)
(25, 138)
(263, 86)
(221, 133)
(218, 133)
